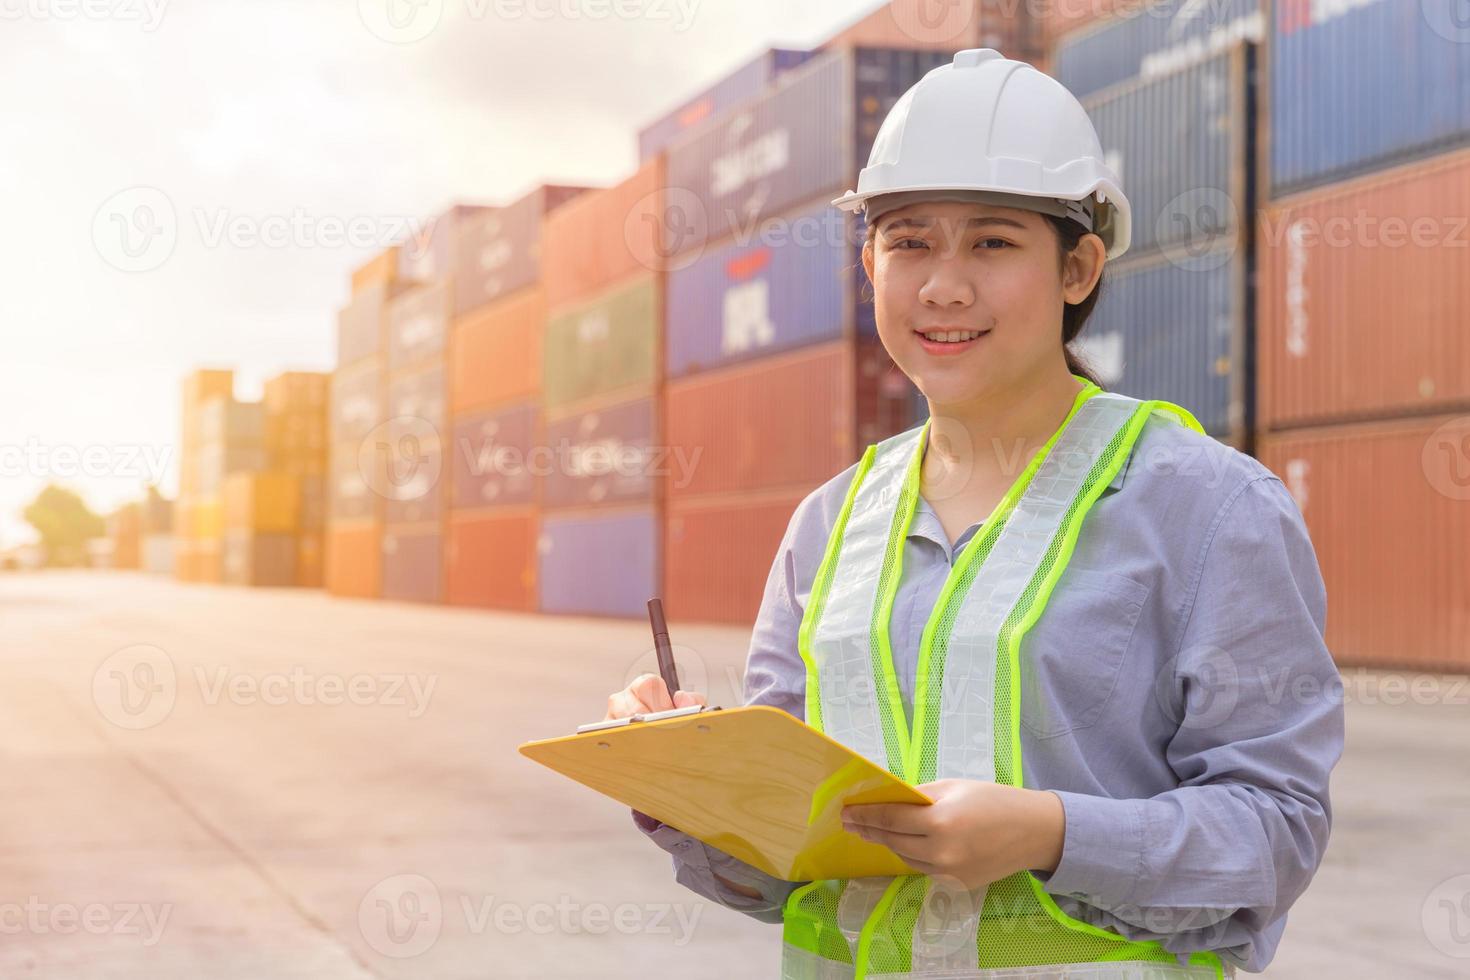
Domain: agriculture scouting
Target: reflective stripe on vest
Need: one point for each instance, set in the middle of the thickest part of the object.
(966, 708)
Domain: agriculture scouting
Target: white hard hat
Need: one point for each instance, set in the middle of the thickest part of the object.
(990, 129)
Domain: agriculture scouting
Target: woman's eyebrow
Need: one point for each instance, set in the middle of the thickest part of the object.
(924, 223)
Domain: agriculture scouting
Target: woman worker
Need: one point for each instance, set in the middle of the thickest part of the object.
(1092, 634)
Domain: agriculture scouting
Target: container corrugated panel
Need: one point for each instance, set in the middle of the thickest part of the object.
(736, 88)
(1387, 504)
(791, 284)
(359, 401)
(1365, 297)
(782, 421)
(267, 560)
(490, 560)
(413, 563)
(158, 554)
(418, 325)
(1181, 144)
(803, 139)
(1359, 85)
(745, 533)
(213, 463)
(602, 237)
(1006, 25)
(311, 553)
(418, 396)
(354, 559)
(157, 513)
(495, 354)
(1154, 40)
(429, 252)
(356, 471)
(362, 326)
(296, 393)
(262, 502)
(499, 251)
(380, 270)
(1061, 17)
(226, 422)
(491, 457)
(315, 502)
(608, 345)
(1178, 334)
(603, 456)
(603, 564)
(415, 478)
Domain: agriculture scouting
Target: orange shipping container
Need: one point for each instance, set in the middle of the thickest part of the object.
(490, 559)
(311, 560)
(262, 502)
(354, 560)
(381, 269)
(602, 237)
(1364, 295)
(790, 420)
(1387, 504)
(1059, 17)
(495, 354)
(718, 555)
(1005, 25)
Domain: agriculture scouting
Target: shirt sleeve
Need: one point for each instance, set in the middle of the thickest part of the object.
(775, 675)
(1216, 863)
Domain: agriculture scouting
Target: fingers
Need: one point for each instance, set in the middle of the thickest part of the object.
(646, 693)
(652, 691)
(900, 818)
(688, 699)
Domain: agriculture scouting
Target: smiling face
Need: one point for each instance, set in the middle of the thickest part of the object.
(969, 297)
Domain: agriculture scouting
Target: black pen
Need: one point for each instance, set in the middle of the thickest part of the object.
(661, 646)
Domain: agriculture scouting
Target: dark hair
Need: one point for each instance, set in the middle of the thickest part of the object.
(1074, 316)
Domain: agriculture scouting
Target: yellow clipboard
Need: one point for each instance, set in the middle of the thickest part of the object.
(754, 782)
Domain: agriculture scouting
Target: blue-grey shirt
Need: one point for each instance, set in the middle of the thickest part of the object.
(1176, 695)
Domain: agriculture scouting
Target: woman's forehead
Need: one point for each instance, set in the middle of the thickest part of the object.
(957, 214)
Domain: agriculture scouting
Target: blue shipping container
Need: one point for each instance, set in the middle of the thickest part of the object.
(806, 138)
(1178, 333)
(1181, 145)
(789, 284)
(735, 89)
(1154, 40)
(601, 565)
(1359, 84)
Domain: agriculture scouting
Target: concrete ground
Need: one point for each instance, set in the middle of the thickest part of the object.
(203, 781)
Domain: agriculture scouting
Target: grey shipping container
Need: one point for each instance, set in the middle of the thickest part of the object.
(603, 456)
(359, 401)
(362, 325)
(796, 281)
(354, 488)
(1182, 334)
(599, 564)
(735, 89)
(1154, 39)
(1359, 84)
(214, 462)
(1182, 145)
(259, 559)
(808, 136)
(429, 251)
(416, 399)
(492, 457)
(413, 564)
(226, 422)
(499, 250)
(418, 322)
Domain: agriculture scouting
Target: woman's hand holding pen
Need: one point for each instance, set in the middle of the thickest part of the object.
(976, 832)
(648, 692)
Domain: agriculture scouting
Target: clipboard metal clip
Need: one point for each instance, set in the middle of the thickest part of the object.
(692, 709)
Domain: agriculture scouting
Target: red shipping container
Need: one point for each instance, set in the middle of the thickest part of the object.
(490, 559)
(1387, 504)
(791, 420)
(495, 355)
(413, 562)
(499, 251)
(1005, 25)
(1364, 297)
(717, 556)
(354, 565)
(603, 237)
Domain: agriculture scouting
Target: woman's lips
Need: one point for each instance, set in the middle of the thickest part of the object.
(945, 349)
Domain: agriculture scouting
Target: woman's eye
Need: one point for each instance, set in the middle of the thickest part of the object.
(917, 243)
(993, 243)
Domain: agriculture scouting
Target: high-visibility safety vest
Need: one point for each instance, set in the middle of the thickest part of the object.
(966, 710)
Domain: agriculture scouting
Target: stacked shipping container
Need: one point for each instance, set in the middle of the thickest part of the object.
(494, 405)
(1364, 362)
(157, 545)
(776, 380)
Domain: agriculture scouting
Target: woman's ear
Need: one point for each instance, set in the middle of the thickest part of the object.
(1083, 268)
(868, 258)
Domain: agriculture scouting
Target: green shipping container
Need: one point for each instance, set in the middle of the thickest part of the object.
(604, 346)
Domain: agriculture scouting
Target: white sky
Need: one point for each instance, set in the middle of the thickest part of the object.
(245, 110)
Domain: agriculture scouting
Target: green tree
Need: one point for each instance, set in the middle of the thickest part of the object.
(65, 524)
